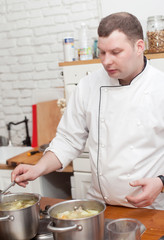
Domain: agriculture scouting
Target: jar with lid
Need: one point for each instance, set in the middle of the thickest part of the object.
(155, 34)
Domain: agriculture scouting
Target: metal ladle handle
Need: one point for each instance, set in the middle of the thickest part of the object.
(11, 184)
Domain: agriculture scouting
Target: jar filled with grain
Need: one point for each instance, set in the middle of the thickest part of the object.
(155, 34)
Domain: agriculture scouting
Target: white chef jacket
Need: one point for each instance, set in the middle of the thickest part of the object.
(125, 130)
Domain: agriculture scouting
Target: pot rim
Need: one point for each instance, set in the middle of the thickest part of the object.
(76, 200)
(37, 195)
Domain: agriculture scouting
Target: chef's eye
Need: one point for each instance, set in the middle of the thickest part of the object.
(116, 52)
(102, 53)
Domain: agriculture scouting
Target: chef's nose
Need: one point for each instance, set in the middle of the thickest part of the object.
(107, 60)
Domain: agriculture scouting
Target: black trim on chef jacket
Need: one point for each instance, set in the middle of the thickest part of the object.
(145, 63)
(98, 151)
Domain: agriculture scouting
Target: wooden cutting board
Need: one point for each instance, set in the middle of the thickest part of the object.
(33, 159)
(24, 158)
(48, 117)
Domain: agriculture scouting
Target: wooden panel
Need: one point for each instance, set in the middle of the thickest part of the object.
(48, 117)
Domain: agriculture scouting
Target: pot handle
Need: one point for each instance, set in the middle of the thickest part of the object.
(63, 229)
(7, 218)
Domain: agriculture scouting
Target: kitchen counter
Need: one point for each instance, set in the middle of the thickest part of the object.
(25, 159)
(152, 219)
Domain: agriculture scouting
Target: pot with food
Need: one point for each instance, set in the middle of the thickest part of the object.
(77, 219)
(19, 216)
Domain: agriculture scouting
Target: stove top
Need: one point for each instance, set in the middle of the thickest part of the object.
(43, 232)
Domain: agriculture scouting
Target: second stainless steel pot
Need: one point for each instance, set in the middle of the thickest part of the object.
(91, 228)
(19, 224)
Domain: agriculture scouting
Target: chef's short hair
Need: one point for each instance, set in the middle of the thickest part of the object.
(123, 22)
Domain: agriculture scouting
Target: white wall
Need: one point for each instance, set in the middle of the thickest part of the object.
(31, 34)
(140, 8)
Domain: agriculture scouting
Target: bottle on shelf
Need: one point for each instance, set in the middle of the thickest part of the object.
(69, 49)
(85, 49)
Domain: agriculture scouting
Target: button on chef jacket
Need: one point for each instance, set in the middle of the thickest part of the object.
(124, 126)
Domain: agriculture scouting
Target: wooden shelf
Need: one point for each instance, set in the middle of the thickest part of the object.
(93, 61)
(62, 64)
(154, 55)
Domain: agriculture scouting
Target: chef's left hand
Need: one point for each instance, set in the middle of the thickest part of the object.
(151, 188)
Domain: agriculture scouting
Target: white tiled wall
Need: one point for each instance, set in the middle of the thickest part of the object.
(31, 33)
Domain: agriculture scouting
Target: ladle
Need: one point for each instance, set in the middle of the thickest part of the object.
(9, 186)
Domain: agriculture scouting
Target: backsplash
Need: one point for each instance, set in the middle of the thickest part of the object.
(31, 34)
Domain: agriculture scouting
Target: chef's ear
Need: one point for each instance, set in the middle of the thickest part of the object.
(140, 46)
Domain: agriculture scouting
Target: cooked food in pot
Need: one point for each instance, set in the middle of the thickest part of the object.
(75, 214)
(17, 204)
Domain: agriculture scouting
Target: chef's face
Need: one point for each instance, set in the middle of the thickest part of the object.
(121, 58)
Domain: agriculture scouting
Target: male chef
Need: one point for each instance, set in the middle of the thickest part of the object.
(120, 110)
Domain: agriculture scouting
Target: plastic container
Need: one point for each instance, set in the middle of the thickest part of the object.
(85, 49)
(155, 34)
(69, 49)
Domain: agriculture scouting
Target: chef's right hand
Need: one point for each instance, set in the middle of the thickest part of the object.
(24, 173)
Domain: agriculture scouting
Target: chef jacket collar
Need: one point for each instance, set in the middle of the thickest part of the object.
(145, 63)
(116, 83)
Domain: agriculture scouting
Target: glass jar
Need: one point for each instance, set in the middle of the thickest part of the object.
(155, 34)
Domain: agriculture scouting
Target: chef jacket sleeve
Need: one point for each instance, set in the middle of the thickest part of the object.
(72, 130)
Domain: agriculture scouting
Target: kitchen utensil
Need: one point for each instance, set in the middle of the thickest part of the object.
(5, 190)
(91, 228)
(32, 153)
(124, 229)
(9, 186)
(19, 224)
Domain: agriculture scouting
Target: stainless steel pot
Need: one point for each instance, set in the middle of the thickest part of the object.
(19, 224)
(91, 228)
